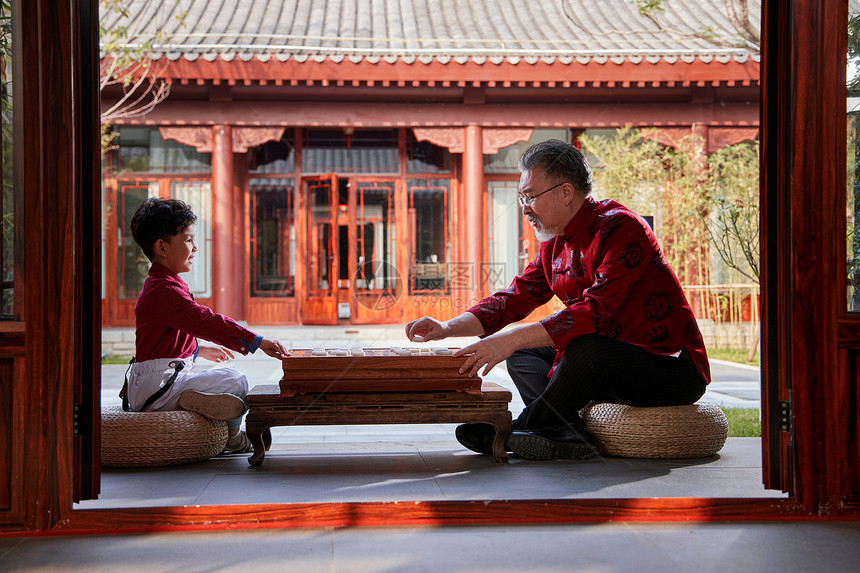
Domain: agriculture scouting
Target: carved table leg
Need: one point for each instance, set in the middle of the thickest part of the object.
(503, 431)
(257, 436)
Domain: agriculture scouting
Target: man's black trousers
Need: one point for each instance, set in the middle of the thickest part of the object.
(598, 368)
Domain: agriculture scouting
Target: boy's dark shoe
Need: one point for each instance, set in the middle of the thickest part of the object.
(564, 443)
(477, 437)
(215, 406)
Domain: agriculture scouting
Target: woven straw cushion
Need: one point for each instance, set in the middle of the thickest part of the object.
(694, 431)
(149, 439)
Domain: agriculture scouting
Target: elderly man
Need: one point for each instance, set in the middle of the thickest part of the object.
(626, 334)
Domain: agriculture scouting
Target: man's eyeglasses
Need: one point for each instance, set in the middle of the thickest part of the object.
(527, 200)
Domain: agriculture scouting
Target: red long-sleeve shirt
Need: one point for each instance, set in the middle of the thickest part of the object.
(609, 272)
(168, 321)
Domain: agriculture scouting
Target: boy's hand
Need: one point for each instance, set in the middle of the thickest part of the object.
(274, 348)
(214, 353)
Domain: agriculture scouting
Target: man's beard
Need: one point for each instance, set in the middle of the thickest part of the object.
(544, 236)
(541, 235)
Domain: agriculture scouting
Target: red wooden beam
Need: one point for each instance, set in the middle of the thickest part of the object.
(477, 512)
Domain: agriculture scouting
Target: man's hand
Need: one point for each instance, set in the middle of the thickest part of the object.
(466, 324)
(493, 349)
(274, 348)
(486, 353)
(426, 329)
(214, 353)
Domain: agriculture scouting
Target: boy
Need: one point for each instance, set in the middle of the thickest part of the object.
(168, 323)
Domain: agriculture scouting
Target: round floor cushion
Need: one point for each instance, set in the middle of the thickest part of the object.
(150, 439)
(694, 431)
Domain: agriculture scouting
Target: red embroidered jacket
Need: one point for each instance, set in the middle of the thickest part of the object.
(168, 321)
(610, 274)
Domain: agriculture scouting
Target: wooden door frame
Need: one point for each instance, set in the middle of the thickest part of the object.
(339, 216)
(804, 119)
(260, 309)
(119, 312)
(806, 192)
(115, 308)
(401, 229)
(54, 402)
(305, 247)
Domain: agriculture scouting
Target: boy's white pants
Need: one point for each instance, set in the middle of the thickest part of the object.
(145, 378)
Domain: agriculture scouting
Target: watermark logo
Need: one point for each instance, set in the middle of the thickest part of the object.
(377, 285)
(493, 276)
(462, 275)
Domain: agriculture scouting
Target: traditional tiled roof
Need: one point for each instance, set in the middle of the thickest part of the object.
(479, 31)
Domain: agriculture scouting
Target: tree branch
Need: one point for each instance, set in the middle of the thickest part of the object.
(742, 23)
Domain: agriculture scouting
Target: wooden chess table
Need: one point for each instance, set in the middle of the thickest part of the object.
(375, 386)
(375, 370)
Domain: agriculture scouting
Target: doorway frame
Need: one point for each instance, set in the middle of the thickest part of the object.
(796, 181)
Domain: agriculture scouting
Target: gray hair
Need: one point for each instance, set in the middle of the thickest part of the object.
(560, 161)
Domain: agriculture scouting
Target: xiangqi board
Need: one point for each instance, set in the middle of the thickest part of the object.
(393, 369)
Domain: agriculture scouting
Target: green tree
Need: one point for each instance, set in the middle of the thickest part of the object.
(685, 210)
(734, 231)
(7, 251)
(649, 177)
(853, 155)
(627, 168)
(701, 201)
(733, 187)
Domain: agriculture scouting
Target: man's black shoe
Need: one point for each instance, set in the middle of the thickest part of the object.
(564, 443)
(477, 437)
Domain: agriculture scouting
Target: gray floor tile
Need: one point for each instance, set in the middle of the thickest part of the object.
(394, 476)
(600, 547)
(404, 469)
(196, 552)
(605, 548)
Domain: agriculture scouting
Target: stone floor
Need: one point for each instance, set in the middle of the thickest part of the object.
(421, 462)
(378, 463)
(406, 463)
(746, 547)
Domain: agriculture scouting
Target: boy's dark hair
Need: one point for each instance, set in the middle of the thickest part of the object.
(158, 218)
(560, 161)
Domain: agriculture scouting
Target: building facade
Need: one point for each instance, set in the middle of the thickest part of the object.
(363, 170)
